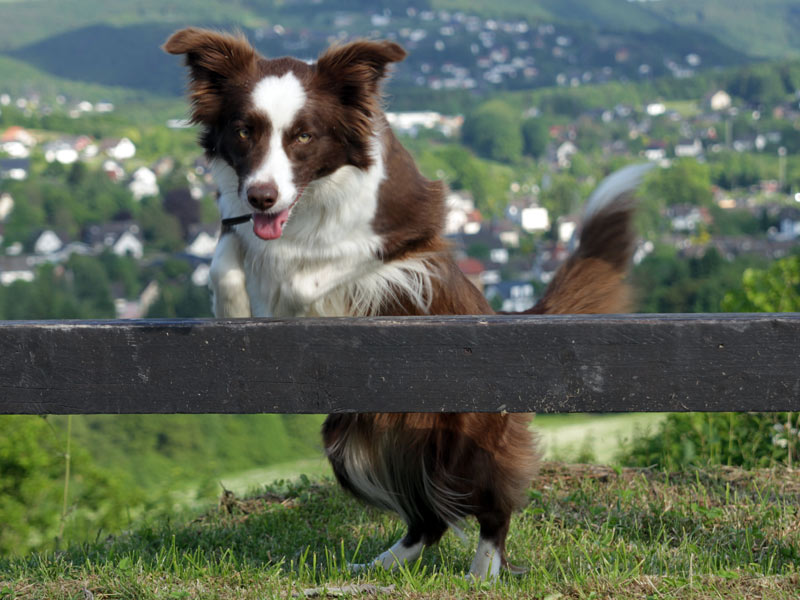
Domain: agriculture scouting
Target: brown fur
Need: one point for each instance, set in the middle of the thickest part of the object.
(434, 468)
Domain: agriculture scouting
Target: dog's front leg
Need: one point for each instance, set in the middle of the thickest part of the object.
(227, 278)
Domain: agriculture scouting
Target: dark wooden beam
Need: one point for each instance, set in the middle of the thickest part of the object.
(595, 363)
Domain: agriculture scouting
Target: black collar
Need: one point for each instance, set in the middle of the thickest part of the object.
(227, 224)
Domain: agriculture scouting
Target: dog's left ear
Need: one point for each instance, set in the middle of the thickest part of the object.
(352, 73)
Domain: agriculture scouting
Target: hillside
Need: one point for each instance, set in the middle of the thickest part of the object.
(535, 44)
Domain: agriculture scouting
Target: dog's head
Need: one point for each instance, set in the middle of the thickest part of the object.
(281, 124)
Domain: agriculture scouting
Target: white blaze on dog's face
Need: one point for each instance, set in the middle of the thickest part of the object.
(281, 124)
(270, 187)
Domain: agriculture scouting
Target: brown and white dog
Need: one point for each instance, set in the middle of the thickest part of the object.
(344, 224)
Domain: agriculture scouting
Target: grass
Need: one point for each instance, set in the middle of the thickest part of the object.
(587, 532)
(590, 437)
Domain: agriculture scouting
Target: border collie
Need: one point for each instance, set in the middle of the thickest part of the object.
(344, 224)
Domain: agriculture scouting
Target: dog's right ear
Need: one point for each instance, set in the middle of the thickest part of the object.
(215, 61)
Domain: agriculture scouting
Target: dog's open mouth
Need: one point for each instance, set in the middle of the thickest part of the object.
(270, 226)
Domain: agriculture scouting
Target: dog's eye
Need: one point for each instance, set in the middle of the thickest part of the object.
(243, 133)
(304, 138)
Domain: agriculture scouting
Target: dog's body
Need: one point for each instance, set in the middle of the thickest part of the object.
(345, 225)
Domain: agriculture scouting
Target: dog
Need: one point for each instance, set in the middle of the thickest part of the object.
(344, 224)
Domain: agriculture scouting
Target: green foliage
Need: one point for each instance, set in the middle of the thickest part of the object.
(162, 452)
(535, 136)
(64, 200)
(562, 196)
(746, 440)
(80, 288)
(701, 439)
(160, 229)
(487, 182)
(774, 289)
(32, 463)
(686, 181)
(668, 283)
(493, 131)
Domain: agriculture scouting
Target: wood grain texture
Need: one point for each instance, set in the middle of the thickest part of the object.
(594, 363)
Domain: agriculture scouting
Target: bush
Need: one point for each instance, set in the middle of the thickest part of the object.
(748, 440)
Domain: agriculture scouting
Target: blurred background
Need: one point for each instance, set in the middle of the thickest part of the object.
(107, 207)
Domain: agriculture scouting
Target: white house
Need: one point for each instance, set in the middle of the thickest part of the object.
(122, 238)
(564, 154)
(143, 183)
(6, 205)
(719, 100)
(535, 218)
(128, 244)
(15, 268)
(60, 152)
(691, 148)
(200, 276)
(202, 245)
(119, 149)
(459, 209)
(15, 168)
(48, 242)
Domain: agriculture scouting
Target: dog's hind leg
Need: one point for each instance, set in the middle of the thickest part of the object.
(490, 555)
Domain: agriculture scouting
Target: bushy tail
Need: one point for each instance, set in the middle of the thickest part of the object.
(592, 278)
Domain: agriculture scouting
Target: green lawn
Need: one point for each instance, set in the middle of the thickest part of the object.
(587, 532)
(590, 438)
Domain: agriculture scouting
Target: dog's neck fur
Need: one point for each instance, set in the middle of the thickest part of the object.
(332, 258)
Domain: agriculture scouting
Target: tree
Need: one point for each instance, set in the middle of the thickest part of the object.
(493, 131)
(775, 289)
(535, 136)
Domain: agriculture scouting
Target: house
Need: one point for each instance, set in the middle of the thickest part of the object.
(47, 242)
(143, 183)
(61, 152)
(564, 154)
(137, 308)
(719, 100)
(17, 142)
(789, 223)
(535, 218)
(689, 148)
(655, 151)
(121, 237)
(114, 170)
(460, 206)
(15, 133)
(6, 205)
(686, 217)
(204, 242)
(566, 228)
(16, 268)
(15, 168)
(511, 296)
(201, 275)
(118, 149)
(472, 268)
(655, 109)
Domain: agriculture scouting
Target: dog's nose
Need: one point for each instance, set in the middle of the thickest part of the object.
(262, 196)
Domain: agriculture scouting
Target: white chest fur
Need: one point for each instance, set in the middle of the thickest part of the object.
(326, 263)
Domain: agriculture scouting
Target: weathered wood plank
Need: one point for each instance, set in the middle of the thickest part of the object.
(596, 363)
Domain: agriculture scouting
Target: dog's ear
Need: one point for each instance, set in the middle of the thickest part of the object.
(352, 73)
(358, 67)
(215, 60)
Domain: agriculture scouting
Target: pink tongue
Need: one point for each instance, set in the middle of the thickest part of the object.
(269, 227)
